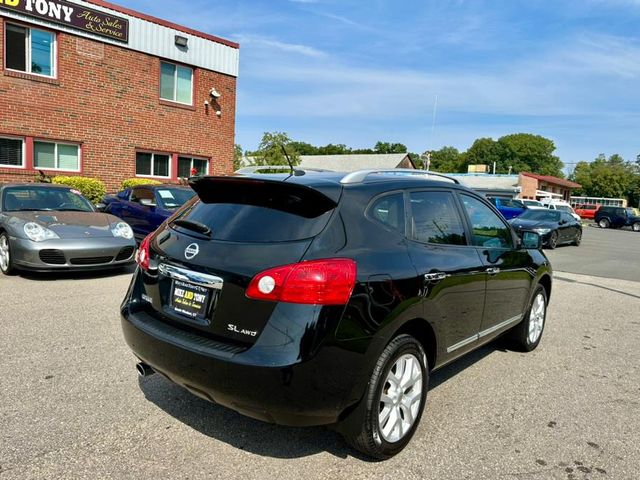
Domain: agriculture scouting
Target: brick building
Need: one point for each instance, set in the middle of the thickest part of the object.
(98, 90)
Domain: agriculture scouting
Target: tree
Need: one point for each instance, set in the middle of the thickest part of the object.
(486, 151)
(520, 152)
(530, 153)
(386, 147)
(609, 178)
(270, 151)
(237, 157)
(446, 160)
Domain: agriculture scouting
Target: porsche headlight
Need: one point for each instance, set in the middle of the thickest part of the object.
(122, 230)
(38, 233)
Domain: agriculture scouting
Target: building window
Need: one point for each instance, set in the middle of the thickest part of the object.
(56, 156)
(152, 164)
(189, 167)
(176, 83)
(11, 152)
(30, 50)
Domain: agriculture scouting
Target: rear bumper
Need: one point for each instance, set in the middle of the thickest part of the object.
(76, 254)
(306, 392)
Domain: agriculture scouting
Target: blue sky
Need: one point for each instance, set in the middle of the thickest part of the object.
(355, 72)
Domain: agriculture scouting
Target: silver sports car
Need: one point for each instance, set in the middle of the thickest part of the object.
(53, 227)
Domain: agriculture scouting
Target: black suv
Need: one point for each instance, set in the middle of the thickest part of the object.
(617, 217)
(321, 298)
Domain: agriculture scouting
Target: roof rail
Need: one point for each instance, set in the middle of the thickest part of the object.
(280, 168)
(361, 175)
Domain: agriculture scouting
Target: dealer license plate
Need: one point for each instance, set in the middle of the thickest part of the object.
(189, 299)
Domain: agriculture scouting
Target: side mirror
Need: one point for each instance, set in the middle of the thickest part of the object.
(147, 202)
(100, 206)
(531, 241)
(563, 222)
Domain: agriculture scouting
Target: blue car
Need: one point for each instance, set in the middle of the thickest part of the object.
(508, 207)
(145, 207)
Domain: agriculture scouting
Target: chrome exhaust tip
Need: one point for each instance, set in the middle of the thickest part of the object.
(144, 370)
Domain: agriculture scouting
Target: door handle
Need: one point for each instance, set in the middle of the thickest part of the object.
(435, 277)
(493, 270)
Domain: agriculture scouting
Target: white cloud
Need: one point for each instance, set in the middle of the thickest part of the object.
(260, 43)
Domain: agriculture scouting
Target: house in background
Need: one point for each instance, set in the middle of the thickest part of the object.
(352, 163)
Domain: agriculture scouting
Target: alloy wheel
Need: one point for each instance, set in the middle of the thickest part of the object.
(401, 398)
(5, 258)
(604, 223)
(536, 318)
(553, 240)
(636, 227)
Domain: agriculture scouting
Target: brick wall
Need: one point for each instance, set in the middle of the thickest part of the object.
(107, 99)
(528, 186)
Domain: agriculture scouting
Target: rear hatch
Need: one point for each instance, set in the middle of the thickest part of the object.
(208, 253)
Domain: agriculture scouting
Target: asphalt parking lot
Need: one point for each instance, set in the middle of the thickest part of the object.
(72, 406)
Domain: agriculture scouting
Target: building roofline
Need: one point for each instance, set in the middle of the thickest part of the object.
(164, 23)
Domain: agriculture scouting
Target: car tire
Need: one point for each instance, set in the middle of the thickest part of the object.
(552, 243)
(604, 223)
(392, 396)
(578, 239)
(6, 260)
(636, 227)
(527, 334)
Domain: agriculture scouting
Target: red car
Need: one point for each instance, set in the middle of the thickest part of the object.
(587, 210)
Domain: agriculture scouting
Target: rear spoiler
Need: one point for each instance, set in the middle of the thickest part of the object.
(286, 197)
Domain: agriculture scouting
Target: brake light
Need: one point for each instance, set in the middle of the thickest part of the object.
(142, 255)
(316, 282)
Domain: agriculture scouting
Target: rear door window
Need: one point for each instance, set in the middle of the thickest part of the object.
(435, 219)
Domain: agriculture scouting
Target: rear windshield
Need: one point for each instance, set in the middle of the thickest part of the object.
(253, 224)
(173, 198)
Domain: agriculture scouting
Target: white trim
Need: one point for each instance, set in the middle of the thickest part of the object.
(56, 158)
(28, 54)
(175, 83)
(24, 153)
(153, 156)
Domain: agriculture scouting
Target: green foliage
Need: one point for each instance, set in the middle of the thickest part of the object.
(447, 160)
(237, 156)
(520, 152)
(531, 153)
(134, 182)
(91, 188)
(610, 178)
(270, 151)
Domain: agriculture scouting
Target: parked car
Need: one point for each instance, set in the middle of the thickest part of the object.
(561, 206)
(52, 227)
(147, 206)
(617, 217)
(587, 211)
(327, 298)
(531, 203)
(508, 207)
(554, 226)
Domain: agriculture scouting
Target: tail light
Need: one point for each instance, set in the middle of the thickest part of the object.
(142, 255)
(317, 282)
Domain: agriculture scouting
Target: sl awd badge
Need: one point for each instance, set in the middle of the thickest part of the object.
(191, 251)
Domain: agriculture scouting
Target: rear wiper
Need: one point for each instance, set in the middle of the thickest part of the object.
(191, 225)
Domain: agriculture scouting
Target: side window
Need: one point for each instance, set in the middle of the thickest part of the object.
(389, 211)
(488, 229)
(142, 194)
(435, 219)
